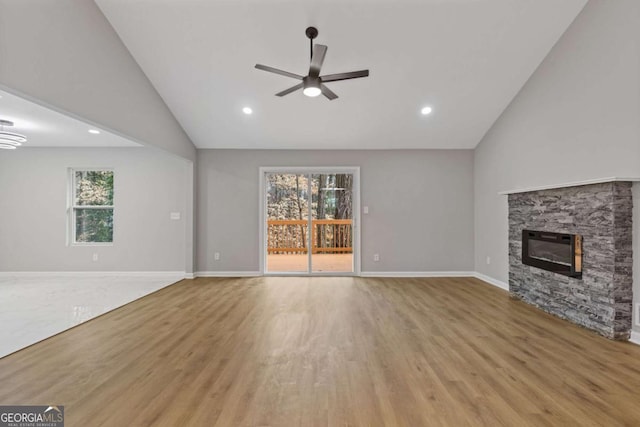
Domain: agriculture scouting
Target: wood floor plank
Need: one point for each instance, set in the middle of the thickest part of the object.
(329, 352)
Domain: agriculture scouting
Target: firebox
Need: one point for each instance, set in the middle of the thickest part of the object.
(556, 252)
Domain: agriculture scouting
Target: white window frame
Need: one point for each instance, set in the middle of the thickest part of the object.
(73, 207)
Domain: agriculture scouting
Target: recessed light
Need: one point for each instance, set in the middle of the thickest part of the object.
(247, 110)
(94, 131)
(426, 110)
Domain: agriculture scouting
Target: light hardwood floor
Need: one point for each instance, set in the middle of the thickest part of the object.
(329, 352)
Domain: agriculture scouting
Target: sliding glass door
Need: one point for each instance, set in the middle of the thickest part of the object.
(332, 223)
(309, 222)
(287, 220)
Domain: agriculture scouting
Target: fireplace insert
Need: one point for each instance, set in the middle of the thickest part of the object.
(557, 252)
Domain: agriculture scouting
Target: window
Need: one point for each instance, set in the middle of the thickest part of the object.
(92, 206)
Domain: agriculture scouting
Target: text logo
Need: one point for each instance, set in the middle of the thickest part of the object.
(32, 416)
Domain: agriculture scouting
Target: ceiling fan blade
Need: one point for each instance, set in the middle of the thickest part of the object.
(328, 92)
(276, 71)
(345, 76)
(288, 91)
(319, 51)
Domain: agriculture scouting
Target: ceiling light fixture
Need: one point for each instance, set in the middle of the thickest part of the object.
(247, 110)
(94, 131)
(311, 86)
(10, 140)
(426, 111)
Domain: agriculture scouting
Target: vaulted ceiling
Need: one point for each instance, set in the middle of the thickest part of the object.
(466, 59)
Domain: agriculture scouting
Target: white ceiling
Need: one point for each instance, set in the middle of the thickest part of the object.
(44, 127)
(465, 58)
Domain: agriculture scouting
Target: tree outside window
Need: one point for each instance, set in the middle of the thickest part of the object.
(93, 206)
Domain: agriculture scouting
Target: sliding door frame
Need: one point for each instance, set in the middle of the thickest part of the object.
(308, 171)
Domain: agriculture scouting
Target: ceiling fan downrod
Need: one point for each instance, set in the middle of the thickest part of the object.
(312, 33)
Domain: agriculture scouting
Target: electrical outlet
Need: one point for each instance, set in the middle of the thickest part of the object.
(95, 257)
(216, 256)
(488, 260)
(376, 257)
(174, 216)
(637, 314)
(365, 210)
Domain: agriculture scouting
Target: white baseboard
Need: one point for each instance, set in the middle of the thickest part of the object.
(170, 274)
(635, 338)
(182, 274)
(227, 273)
(490, 280)
(417, 274)
(475, 274)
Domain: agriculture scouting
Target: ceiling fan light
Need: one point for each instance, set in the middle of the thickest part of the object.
(311, 86)
(4, 146)
(312, 91)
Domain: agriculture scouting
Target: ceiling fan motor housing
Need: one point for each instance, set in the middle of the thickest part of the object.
(309, 81)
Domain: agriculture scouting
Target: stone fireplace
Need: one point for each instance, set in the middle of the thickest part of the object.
(601, 214)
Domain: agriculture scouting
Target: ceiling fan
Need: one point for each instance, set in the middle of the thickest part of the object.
(313, 83)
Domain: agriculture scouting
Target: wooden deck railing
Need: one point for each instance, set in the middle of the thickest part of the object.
(327, 236)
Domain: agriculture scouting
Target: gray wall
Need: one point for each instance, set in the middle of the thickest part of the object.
(66, 55)
(33, 210)
(420, 201)
(577, 118)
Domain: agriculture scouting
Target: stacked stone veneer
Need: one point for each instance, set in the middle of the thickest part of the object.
(602, 214)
